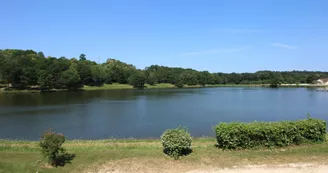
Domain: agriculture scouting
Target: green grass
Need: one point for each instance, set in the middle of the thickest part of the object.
(3, 91)
(159, 86)
(113, 86)
(24, 156)
(117, 86)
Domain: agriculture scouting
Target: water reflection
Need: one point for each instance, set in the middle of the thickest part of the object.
(147, 113)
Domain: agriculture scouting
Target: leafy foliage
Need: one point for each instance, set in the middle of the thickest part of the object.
(137, 79)
(24, 69)
(176, 142)
(271, 134)
(51, 147)
(150, 78)
(179, 84)
(83, 57)
(118, 71)
(98, 75)
(70, 78)
(274, 83)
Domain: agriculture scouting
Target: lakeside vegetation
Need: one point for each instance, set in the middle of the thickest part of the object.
(30, 71)
(25, 156)
(239, 135)
(117, 86)
(289, 142)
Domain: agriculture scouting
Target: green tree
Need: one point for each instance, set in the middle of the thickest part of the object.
(25, 68)
(179, 84)
(18, 67)
(70, 78)
(275, 82)
(189, 77)
(83, 68)
(137, 79)
(41, 55)
(51, 71)
(45, 80)
(151, 79)
(98, 75)
(83, 57)
(118, 71)
(310, 78)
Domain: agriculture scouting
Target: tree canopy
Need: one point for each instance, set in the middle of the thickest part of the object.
(26, 68)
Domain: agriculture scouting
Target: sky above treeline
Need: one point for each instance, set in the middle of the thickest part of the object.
(213, 35)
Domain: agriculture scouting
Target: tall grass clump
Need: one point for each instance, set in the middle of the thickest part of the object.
(269, 134)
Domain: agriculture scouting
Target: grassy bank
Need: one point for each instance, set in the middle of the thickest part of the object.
(24, 156)
(164, 86)
(116, 86)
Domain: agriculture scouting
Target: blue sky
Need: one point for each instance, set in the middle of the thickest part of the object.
(213, 35)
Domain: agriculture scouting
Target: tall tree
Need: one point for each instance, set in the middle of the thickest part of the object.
(83, 57)
(41, 55)
(70, 78)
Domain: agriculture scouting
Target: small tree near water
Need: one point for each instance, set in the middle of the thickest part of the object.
(52, 150)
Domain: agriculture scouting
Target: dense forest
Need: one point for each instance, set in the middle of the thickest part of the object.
(23, 69)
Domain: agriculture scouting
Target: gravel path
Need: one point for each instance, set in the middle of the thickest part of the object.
(278, 169)
(143, 166)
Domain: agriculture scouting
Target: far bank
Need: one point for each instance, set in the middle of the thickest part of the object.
(117, 86)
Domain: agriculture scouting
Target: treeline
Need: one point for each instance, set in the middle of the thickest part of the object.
(27, 69)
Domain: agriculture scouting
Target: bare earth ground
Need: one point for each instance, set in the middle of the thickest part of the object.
(158, 166)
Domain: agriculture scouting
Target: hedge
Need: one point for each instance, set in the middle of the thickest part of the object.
(269, 134)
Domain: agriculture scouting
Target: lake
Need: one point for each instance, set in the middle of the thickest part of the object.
(147, 113)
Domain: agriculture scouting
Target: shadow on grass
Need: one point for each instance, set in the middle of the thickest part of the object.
(63, 159)
(184, 152)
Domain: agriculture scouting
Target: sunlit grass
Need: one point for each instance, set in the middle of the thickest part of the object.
(108, 87)
(159, 86)
(25, 156)
(117, 86)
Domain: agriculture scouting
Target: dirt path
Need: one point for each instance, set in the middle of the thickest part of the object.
(150, 166)
(266, 169)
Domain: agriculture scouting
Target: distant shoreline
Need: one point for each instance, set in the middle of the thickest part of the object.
(117, 86)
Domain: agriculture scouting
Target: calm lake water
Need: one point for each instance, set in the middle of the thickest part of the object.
(147, 113)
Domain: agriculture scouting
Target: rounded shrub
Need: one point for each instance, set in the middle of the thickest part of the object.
(176, 142)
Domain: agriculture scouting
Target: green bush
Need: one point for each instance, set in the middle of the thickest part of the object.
(270, 134)
(137, 79)
(51, 148)
(176, 142)
(179, 84)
